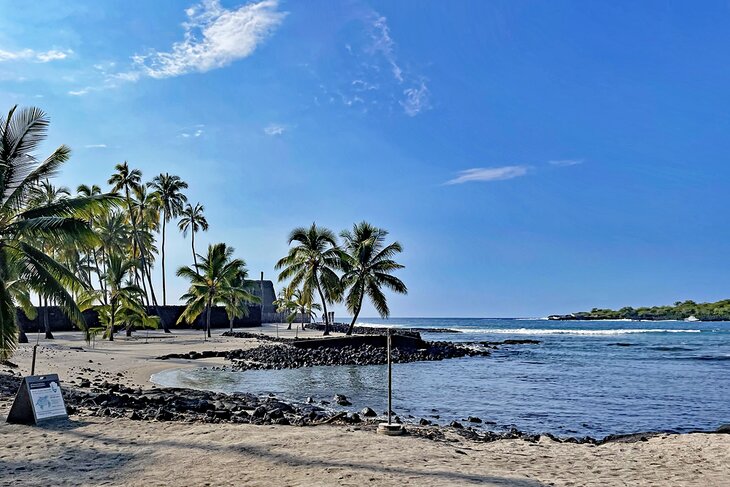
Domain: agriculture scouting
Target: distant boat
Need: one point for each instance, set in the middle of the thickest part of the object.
(691, 318)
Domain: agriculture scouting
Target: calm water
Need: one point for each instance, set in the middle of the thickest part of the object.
(585, 378)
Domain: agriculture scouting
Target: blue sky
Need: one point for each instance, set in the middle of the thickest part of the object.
(532, 157)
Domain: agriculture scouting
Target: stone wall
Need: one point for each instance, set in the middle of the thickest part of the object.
(218, 318)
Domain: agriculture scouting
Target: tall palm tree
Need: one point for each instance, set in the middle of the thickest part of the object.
(21, 132)
(192, 219)
(210, 282)
(311, 264)
(368, 265)
(168, 193)
(91, 259)
(128, 180)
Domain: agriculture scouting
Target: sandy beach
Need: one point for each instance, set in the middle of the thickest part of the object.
(103, 451)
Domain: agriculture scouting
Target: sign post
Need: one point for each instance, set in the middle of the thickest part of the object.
(38, 399)
(390, 428)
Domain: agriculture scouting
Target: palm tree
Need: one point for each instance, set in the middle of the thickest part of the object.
(120, 295)
(128, 180)
(66, 221)
(284, 304)
(169, 196)
(44, 194)
(296, 304)
(210, 282)
(192, 219)
(368, 266)
(237, 296)
(311, 264)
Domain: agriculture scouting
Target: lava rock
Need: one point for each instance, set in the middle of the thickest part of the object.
(368, 412)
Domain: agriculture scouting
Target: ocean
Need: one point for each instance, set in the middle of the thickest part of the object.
(590, 378)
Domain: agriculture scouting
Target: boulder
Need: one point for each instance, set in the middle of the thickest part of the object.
(341, 400)
(368, 413)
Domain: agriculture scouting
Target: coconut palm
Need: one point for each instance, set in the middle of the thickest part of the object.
(284, 304)
(301, 306)
(237, 296)
(210, 282)
(192, 219)
(44, 194)
(127, 180)
(367, 266)
(120, 294)
(311, 265)
(66, 221)
(168, 193)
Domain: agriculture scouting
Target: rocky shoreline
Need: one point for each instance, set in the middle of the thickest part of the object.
(283, 355)
(112, 400)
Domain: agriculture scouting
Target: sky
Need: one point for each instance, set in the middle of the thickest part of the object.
(532, 157)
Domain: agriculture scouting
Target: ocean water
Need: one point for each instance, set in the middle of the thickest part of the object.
(584, 378)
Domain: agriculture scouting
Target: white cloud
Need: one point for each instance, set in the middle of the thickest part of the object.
(274, 129)
(47, 56)
(214, 37)
(37, 56)
(566, 162)
(482, 174)
(416, 100)
(95, 146)
(80, 92)
(383, 43)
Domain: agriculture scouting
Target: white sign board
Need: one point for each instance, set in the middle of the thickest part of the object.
(39, 399)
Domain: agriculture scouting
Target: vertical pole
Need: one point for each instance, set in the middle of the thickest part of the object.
(390, 381)
(32, 366)
(261, 286)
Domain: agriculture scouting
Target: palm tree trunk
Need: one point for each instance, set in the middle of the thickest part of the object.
(207, 319)
(354, 319)
(111, 320)
(98, 274)
(46, 321)
(195, 256)
(324, 307)
(357, 310)
(231, 324)
(144, 263)
(164, 288)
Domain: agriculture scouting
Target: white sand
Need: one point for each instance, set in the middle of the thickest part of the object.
(96, 451)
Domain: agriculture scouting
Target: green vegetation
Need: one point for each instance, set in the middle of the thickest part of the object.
(37, 234)
(97, 250)
(365, 261)
(718, 311)
(218, 279)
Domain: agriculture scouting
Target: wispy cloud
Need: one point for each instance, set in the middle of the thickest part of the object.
(374, 76)
(95, 146)
(416, 100)
(274, 129)
(195, 133)
(383, 44)
(566, 162)
(485, 174)
(214, 37)
(80, 92)
(36, 56)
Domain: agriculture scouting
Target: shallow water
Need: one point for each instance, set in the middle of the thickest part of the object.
(585, 378)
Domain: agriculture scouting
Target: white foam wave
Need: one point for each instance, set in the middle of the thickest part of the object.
(533, 331)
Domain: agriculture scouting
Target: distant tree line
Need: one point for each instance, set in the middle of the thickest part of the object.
(681, 310)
